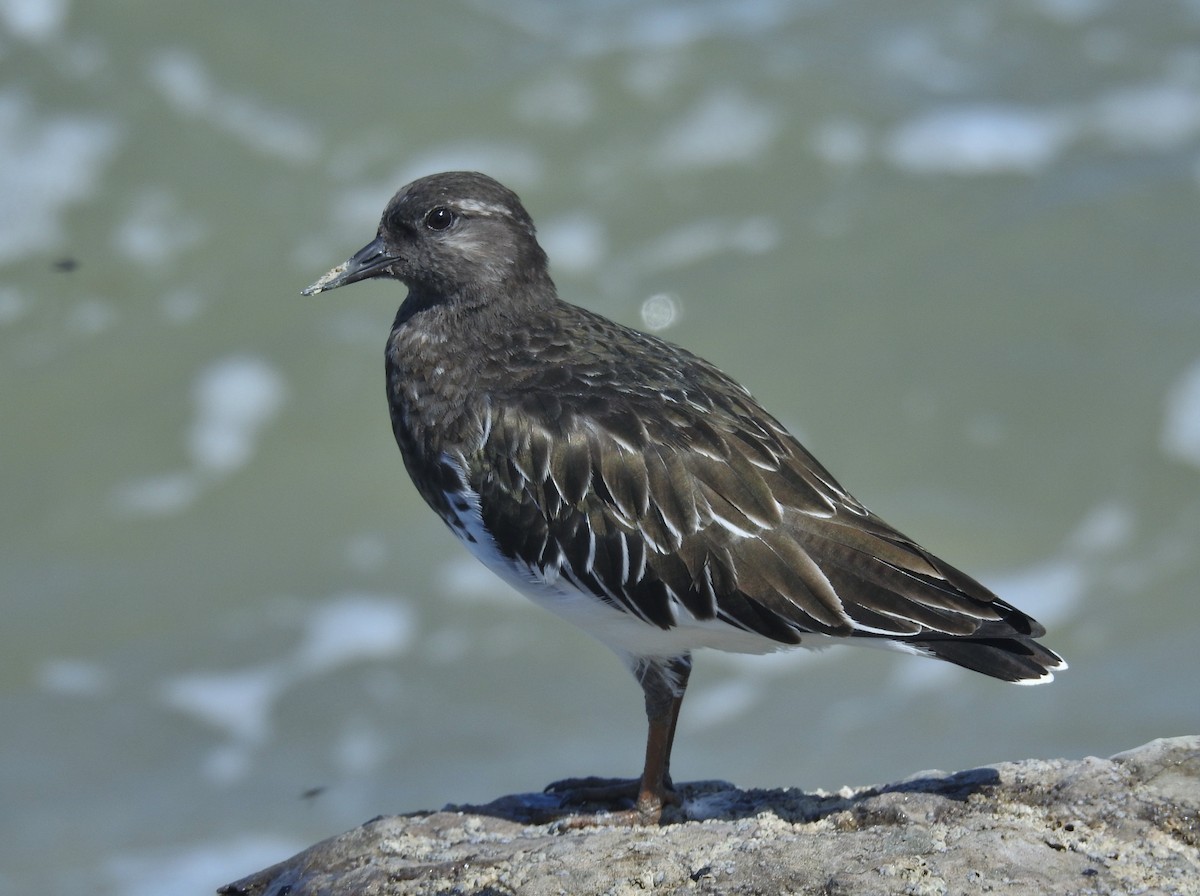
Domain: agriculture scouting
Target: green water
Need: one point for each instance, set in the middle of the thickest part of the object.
(953, 245)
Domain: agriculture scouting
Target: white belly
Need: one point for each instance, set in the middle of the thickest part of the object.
(620, 630)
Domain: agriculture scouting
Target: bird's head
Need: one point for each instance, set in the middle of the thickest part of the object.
(456, 236)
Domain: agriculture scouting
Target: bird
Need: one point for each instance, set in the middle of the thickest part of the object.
(631, 487)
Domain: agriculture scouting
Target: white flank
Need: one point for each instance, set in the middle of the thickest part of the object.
(621, 631)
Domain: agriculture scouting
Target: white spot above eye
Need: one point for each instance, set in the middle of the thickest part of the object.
(487, 209)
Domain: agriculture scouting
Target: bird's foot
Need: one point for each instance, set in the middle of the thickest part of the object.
(619, 800)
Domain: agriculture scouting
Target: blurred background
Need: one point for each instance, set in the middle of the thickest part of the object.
(953, 245)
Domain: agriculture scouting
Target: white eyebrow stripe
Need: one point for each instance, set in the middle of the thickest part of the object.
(474, 206)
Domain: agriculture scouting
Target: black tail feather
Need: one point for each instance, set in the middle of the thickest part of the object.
(1019, 659)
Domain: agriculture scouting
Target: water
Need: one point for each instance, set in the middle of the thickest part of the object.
(953, 245)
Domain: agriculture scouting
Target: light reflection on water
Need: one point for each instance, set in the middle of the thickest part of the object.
(968, 279)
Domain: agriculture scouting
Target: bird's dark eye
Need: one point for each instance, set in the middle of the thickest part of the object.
(439, 218)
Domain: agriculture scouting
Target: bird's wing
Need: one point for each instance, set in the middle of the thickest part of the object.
(671, 501)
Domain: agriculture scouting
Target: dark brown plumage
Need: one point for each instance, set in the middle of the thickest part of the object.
(630, 486)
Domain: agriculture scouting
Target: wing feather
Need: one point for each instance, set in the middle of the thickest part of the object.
(661, 500)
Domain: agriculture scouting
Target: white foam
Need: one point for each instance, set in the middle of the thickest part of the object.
(91, 316)
(446, 645)
(912, 676)
(161, 495)
(235, 398)
(652, 77)
(725, 127)
(469, 581)
(182, 305)
(45, 165)
(1105, 529)
(238, 703)
(591, 30)
(182, 79)
(1069, 12)
(346, 629)
(559, 100)
(228, 763)
(195, 868)
(354, 627)
(367, 551)
(974, 140)
(1048, 591)
(696, 240)
(73, 678)
(754, 236)
(1150, 117)
(157, 230)
(509, 163)
(842, 142)
(13, 304)
(919, 55)
(575, 242)
(661, 25)
(720, 703)
(359, 749)
(1180, 438)
(36, 21)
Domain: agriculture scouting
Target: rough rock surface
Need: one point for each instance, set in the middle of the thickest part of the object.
(1125, 825)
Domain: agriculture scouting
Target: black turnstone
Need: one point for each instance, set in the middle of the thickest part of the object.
(631, 487)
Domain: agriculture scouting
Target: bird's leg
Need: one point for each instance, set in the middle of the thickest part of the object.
(663, 685)
(683, 670)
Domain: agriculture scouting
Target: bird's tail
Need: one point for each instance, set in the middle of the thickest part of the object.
(1018, 659)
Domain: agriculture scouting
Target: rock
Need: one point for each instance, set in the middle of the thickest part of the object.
(1129, 824)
